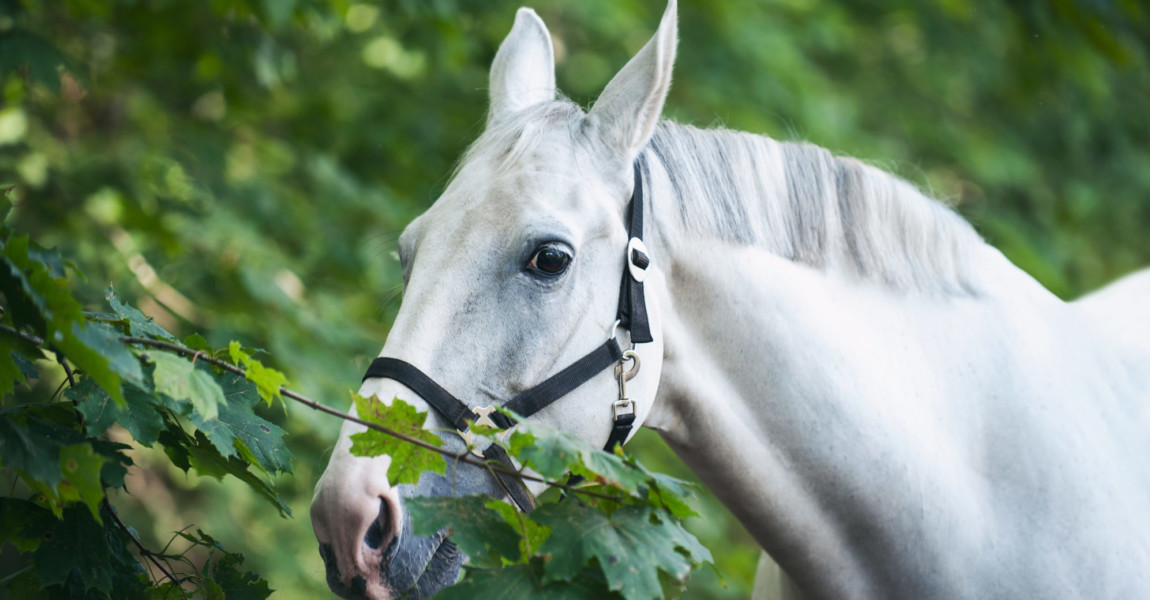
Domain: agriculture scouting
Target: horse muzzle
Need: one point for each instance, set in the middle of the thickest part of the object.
(408, 566)
(365, 536)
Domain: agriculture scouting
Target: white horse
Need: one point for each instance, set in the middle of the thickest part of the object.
(890, 407)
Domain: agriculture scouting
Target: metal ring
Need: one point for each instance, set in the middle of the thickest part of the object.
(615, 327)
(630, 354)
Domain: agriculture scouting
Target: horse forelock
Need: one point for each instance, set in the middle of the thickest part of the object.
(506, 143)
(801, 202)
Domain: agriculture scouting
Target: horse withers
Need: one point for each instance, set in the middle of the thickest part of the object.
(889, 406)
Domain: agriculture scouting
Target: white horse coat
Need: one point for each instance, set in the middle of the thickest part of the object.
(890, 407)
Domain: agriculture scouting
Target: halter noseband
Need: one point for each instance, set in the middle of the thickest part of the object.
(632, 315)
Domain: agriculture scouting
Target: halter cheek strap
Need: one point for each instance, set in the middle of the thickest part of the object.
(631, 314)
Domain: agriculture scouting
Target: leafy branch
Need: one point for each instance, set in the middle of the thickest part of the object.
(199, 403)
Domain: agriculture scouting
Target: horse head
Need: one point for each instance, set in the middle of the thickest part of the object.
(509, 277)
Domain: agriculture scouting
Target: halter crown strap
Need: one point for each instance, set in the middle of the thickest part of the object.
(632, 312)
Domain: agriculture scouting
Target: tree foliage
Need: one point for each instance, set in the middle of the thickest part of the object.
(75, 544)
(627, 542)
(240, 168)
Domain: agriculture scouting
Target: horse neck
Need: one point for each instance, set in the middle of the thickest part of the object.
(788, 384)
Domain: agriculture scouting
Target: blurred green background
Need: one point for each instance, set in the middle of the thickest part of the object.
(242, 168)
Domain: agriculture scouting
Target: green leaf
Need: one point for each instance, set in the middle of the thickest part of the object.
(81, 467)
(77, 543)
(116, 462)
(15, 366)
(268, 381)
(17, 518)
(235, 584)
(197, 452)
(181, 380)
(139, 324)
(138, 415)
(237, 430)
(35, 454)
(631, 547)
(198, 343)
(552, 453)
(26, 51)
(408, 461)
(11, 373)
(480, 532)
(42, 301)
(97, 350)
(525, 582)
(535, 533)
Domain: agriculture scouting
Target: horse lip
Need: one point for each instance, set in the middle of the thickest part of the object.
(436, 573)
(443, 556)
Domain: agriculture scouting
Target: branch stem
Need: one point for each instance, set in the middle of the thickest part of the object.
(144, 552)
(461, 457)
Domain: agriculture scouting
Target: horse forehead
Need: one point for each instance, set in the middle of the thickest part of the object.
(494, 205)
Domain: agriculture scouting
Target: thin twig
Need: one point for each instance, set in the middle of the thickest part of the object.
(27, 336)
(148, 554)
(67, 369)
(462, 457)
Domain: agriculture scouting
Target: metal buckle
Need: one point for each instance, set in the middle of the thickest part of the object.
(637, 273)
(484, 413)
(626, 404)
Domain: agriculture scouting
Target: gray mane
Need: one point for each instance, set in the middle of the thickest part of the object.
(795, 200)
(801, 202)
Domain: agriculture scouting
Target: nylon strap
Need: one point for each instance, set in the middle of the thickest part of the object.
(510, 484)
(632, 303)
(449, 407)
(531, 401)
(632, 314)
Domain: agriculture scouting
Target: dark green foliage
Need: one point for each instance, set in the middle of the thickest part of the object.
(72, 545)
(623, 534)
(526, 582)
(242, 168)
(480, 532)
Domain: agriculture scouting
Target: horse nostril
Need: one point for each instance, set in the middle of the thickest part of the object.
(378, 530)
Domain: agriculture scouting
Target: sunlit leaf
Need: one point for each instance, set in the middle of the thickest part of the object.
(268, 381)
(408, 461)
(181, 380)
(237, 429)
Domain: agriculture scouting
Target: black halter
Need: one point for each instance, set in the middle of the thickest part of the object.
(632, 315)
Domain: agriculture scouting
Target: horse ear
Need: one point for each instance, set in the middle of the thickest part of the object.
(626, 113)
(523, 72)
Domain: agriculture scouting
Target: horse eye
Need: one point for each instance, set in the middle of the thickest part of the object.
(550, 260)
